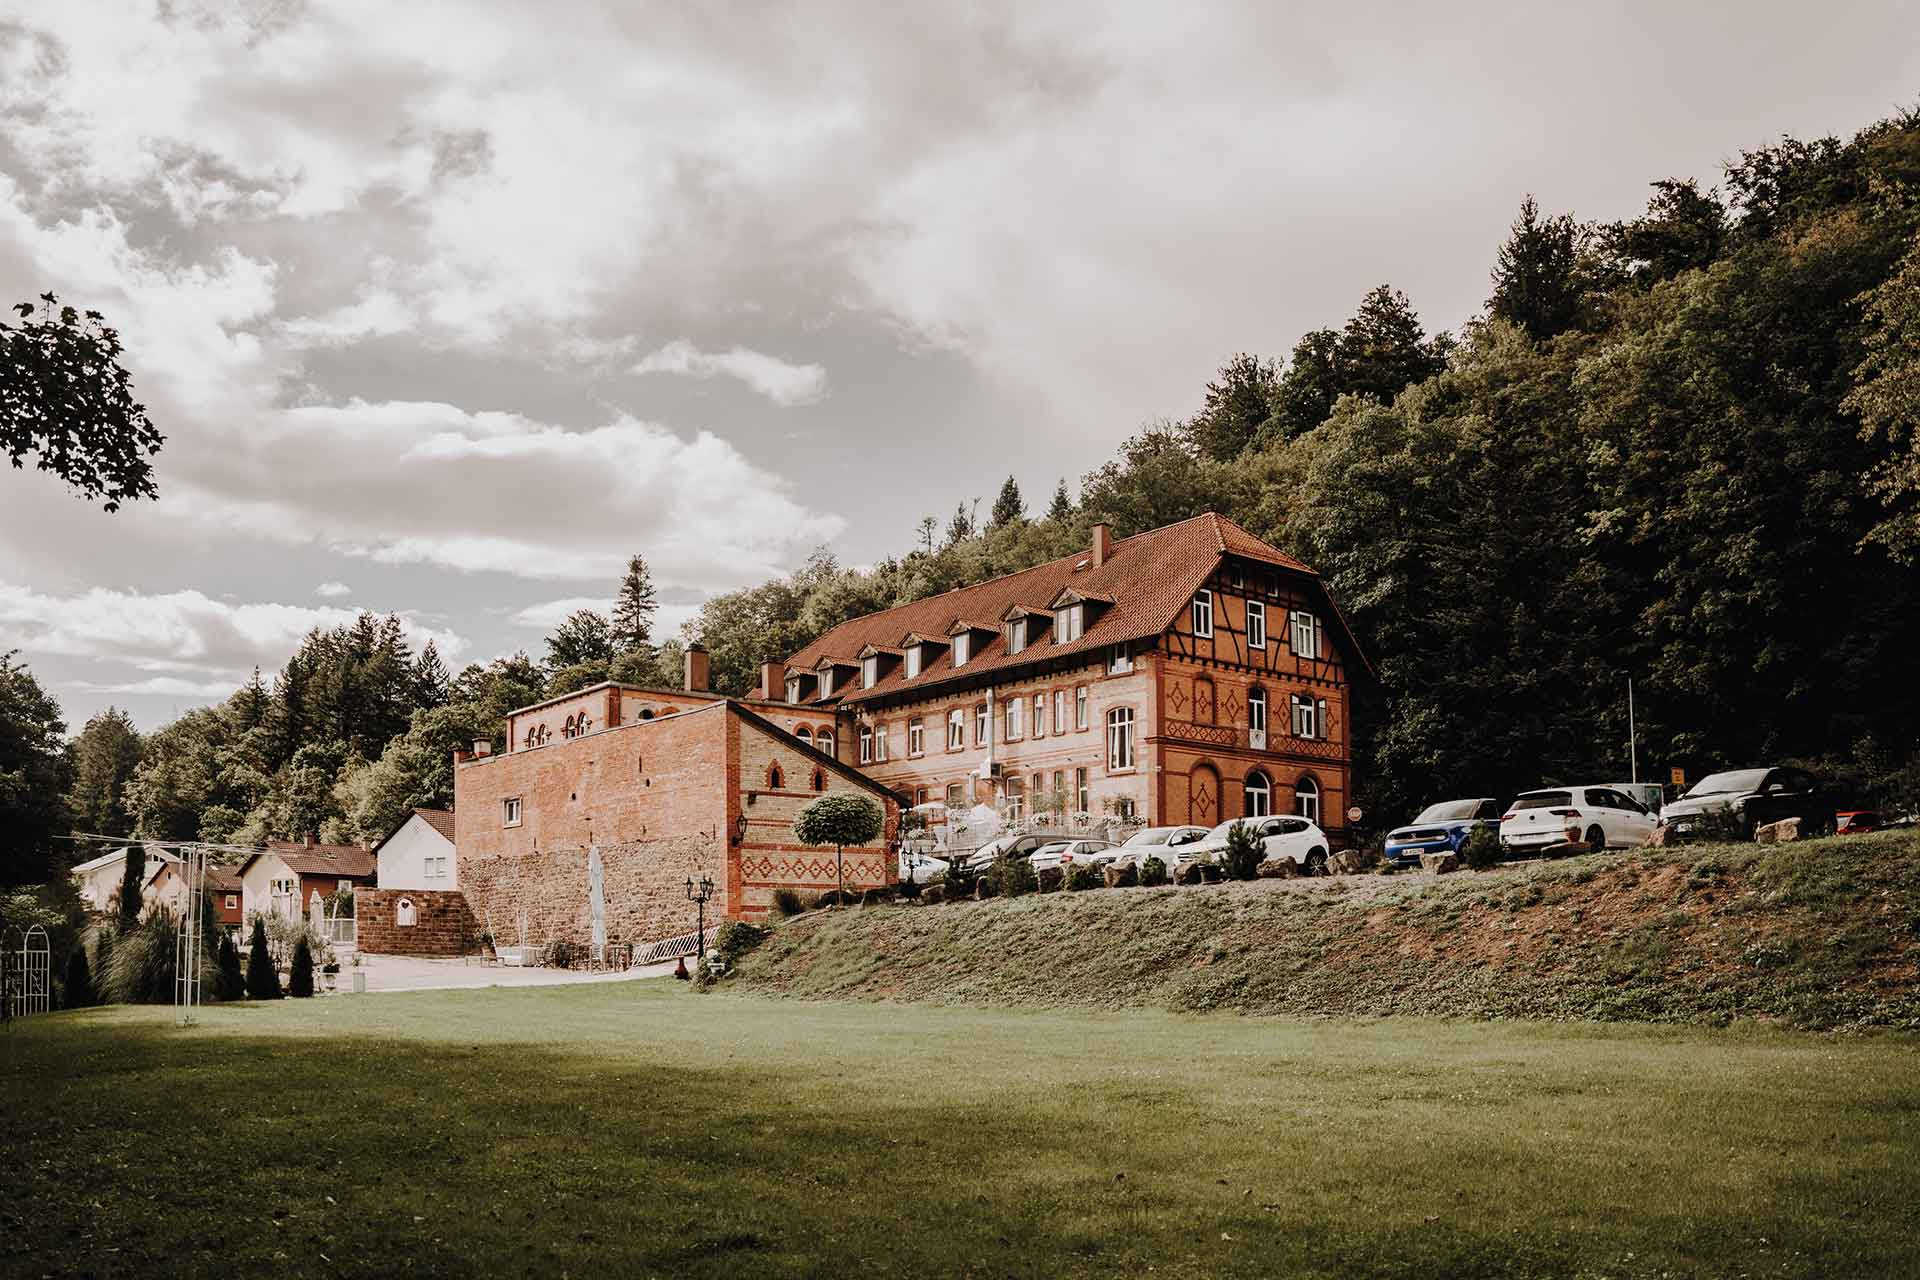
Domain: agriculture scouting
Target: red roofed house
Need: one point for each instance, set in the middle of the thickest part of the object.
(288, 878)
(1188, 674)
(169, 887)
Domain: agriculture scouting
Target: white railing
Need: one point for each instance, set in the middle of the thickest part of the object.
(342, 931)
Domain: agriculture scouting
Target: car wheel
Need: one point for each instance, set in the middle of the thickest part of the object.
(1317, 862)
(1596, 839)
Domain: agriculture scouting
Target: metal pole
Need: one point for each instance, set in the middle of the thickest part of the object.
(1633, 736)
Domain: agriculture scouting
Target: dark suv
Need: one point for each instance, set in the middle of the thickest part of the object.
(1748, 799)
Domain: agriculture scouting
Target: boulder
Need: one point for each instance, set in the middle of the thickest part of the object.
(982, 890)
(1190, 874)
(1211, 872)
(1567, 849)
(1120, 877)
(1782, 832)
(933, 894)
(1347, 862)
(1439, 863)
(1278, 869)
(1659, 838)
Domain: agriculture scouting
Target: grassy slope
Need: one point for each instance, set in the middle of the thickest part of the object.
(639, 1129)
(1818, 935)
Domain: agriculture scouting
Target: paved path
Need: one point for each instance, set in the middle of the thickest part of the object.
(418, 973)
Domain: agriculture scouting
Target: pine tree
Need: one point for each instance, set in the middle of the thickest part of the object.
(1536, 275)
(584, 637)
(132, 883)
(1009, 506)
(251, 704)
(430, 679)
(300, 977)
(228, 983)
(104, 756)
(1239, 401)
(961, 527)
(262, 982)
(79, 989)
(1061, 508)
(634, 607)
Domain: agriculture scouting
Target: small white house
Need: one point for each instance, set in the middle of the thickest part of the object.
(418, 854)
(99, 879)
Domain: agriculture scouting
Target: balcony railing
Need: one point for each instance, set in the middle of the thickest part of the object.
(1232, 736)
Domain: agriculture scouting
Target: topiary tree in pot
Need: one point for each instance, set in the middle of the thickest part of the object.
(839, 820)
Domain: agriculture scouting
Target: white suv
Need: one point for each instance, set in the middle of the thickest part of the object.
(1281, 837)
(1600, 816)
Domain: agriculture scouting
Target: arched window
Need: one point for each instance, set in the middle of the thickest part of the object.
(819, 778)
(1119, 738)
(1259, 793)
(403, 913)
(775, 780)
(823, 742)
(566, 730)
(1306, 799)
(804, 734)
(866, 744)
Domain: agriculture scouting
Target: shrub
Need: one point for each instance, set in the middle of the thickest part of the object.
(1050, 880)
(959, 878)
(703, 976)
(1482, 848)
(145, 961)
(736, 938)
(1082, 877)
(300, 978)
(1244, 853)
(79, 988)
(1011, 876)
(263, 982)
(787, 902)
(557, 954)
(1153, 872)
(1722, 826)
(228, 984)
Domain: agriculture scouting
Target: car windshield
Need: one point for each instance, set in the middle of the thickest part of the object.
(1720, 784)
(1448, 811)
(1152, 835)
(1544, 800)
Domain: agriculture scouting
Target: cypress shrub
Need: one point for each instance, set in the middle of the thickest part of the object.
(228, 983)
(79, 990)
(1012, 875)
(1082, 877)
(1152, 872)
(262, 982)
(300, 979)
(1244, 852)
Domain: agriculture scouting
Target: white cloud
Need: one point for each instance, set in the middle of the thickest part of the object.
(783, 383)
(180, 631)
(172, 686)
(545, 616)
(378, 313)
(332, 590)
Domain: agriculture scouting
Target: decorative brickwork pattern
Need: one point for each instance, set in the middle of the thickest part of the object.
(442, 923)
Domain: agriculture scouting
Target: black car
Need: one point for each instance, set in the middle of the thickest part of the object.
(1748, 799)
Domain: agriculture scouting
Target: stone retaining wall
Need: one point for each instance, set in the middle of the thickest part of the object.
(443, 923)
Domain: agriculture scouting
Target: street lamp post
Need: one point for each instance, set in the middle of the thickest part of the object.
(700, 894)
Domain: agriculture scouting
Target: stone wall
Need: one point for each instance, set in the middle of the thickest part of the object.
(544, 896)
(442, 922)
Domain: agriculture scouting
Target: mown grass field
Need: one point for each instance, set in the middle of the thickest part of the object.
(1820, 935)
(640, 1129)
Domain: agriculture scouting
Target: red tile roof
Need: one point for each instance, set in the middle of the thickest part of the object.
(440, 820)
(1150, 578)
(324, 859)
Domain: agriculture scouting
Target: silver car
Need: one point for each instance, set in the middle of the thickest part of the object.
(1172, 845)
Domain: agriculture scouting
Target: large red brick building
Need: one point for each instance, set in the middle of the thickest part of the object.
(1188, 674)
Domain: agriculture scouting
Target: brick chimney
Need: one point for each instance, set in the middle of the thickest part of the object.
(695, 665)
(773, 681)
(1102, 544)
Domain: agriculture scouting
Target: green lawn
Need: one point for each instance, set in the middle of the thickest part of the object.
(641, 1129)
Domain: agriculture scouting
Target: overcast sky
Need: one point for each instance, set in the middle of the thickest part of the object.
(447, 308)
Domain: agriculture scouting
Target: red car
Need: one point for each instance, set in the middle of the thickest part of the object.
(1858, 822)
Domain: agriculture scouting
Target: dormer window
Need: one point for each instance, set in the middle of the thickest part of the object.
(962, 648)
(826, 682)
(869, 671)
(914, 659)
(1072, 624)
(1016, 635)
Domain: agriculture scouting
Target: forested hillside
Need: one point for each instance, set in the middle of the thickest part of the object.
(1683, 448)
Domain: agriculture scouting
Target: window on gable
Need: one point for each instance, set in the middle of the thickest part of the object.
(914, 659)
(1071, 625)
(826, 682)
(1016, 635)
(793, 688)
(962, 648)
(1203, 613)
(1256, 625)
(869, 672)
(1306, 635)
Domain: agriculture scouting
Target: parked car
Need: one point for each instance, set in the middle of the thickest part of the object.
(1754, 798)
(1651, 795)
(921, 868)
(1282, 837)
(1601, 816)
(1859, 822)
(1172, 845)
(1021, 846)
(1067, 854)
(1441, 828)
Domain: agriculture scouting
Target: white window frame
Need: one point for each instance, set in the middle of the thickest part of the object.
(956, 793)
(956, 729)
(982, 724)
(1072, 624)
(233, 902)
(1015, 792)
(1016, 635)
(826, 681)
(1082, 797)
(1039, 715)
(1306, 634)
(1119, 661)
(512, 809)
(914, 660)
(1258, 790)
(866, 744)
(823, 743)
(1309, 716)
(1306, 799)
(962, 648)
(1203, 613)
(869, 672)
(1082, 712)
(880, 743)
(1257, 717)
(1059, 710)
(1016, 718)
(793, 689)
(1256, 624)
(1120, 740)
(916, 738)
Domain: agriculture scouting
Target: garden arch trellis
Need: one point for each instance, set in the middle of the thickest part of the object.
(29, 974)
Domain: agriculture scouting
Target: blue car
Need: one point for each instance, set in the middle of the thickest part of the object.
(1441, 828)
